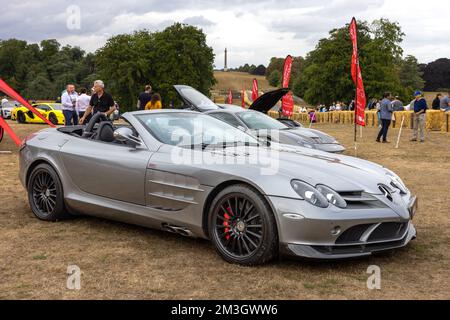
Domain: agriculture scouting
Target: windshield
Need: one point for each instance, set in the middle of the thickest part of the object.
(198, 99)
(56, 106)
(259, 121)
(193, 129)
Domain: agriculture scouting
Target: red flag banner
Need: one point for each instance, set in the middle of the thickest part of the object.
(287, 105)
(287, 72)
(360, 101)
(255, 92)
(13, 94)
(9, 131)
(230, 97)
(243, 98)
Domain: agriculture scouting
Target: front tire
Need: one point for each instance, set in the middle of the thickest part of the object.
(21, 117)
(45, 194)
(242, 226)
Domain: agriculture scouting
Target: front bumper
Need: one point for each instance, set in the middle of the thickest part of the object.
(347, 251)
(332, 233)
(330, 147)
(6, 114)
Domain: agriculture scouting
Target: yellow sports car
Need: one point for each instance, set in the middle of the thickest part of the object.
(51, 111)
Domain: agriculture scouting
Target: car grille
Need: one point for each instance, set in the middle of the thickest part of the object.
(353, 234)
(387, 231)
(361, 248)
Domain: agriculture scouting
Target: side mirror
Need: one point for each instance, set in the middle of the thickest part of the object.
(125, 134)
(242, 128)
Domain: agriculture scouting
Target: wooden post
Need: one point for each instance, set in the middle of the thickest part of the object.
(400, 132)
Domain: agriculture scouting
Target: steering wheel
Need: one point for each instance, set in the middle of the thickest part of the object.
(98, 117)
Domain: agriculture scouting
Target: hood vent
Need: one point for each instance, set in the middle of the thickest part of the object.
(386, 191)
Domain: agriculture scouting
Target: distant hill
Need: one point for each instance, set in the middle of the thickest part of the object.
(236, 80)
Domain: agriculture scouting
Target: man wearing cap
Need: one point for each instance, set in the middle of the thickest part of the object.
(420, 109)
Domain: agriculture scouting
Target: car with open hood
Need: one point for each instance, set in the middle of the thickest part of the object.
(188, 173)
(256, 121)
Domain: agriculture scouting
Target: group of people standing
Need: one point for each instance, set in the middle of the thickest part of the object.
(441, 103)
(386, 109)
(78, 108)
(148, 100)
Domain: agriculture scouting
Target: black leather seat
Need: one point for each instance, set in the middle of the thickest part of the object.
(105, 132)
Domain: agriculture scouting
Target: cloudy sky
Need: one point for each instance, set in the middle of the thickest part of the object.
(253, 31)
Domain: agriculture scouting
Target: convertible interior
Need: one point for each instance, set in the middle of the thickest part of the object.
(99, 128)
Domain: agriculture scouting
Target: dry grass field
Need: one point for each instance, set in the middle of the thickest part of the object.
(120, 261)
(236, 80)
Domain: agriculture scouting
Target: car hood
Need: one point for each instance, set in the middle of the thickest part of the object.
(272, 169)
(268, 100)
(190, 104)
(316, 135)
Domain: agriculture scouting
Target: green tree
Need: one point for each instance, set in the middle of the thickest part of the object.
(326, 72)
(275, 78)
(278, 64)
(410, 74)
(177, 55)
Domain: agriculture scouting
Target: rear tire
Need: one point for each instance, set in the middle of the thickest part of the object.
(21, 117)
(242, 226)
(45, 194)
(53, 119)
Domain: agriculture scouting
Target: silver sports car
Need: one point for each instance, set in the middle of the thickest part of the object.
(189, 173)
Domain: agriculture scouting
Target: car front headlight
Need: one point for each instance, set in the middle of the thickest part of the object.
(310, 194)
(332, 196)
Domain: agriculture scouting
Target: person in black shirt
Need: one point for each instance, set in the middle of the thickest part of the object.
(101, 101)
(145, 97)
(437, 102)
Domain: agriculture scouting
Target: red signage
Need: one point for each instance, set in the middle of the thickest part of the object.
(287, 72)
(287, 105)
(360, 101)
(255, 92)
(230, 97)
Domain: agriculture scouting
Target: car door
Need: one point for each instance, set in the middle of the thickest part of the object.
(107, 169)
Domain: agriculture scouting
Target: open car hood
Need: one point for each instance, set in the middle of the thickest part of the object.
(268, 100)
(208, 105)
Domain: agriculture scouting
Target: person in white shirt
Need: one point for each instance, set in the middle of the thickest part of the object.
(68, 101)
(82, 104)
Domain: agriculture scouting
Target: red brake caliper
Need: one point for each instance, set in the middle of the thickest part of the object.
(226, 224)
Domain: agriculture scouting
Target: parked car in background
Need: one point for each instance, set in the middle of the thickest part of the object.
(255, 120)
(7, 107)
(290, 123)
(51, 111)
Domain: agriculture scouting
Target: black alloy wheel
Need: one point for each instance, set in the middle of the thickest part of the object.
(21, 117)
(53, 119)
(45, 194)
(242, 226)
